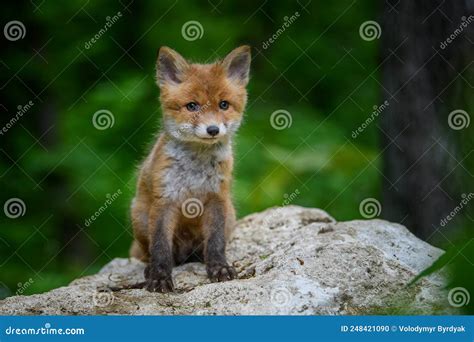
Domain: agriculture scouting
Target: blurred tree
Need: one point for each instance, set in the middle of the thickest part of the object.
(424, 81)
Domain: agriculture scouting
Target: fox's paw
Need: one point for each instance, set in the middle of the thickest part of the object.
(160, 285)
(158, 280)
(221, 272)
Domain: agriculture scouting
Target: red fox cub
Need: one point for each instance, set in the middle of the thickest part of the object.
(182, 210)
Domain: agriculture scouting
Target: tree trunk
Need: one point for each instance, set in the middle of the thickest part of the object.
(423, 78)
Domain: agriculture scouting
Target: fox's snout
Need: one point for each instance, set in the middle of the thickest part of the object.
(212, 130)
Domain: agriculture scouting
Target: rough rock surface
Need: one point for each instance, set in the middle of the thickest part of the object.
(290, 260)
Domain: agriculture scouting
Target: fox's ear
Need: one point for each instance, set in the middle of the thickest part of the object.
(170, 66)
(237, 64)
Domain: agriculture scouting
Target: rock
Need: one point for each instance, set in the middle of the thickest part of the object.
(290, 260)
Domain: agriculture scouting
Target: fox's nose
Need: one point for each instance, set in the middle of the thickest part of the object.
(213, 130)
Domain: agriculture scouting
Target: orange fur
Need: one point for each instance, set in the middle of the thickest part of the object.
(206, 85)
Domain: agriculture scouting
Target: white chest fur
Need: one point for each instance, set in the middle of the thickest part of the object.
(194, 170)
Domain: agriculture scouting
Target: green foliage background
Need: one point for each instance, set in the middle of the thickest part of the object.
(319, 70)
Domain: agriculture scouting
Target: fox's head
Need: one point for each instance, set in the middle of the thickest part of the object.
(203, 103)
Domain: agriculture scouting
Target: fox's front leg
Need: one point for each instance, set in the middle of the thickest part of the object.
(214, 251)
(162, 223)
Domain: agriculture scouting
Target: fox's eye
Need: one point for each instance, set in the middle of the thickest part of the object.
(192, 107)
(223, 105)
